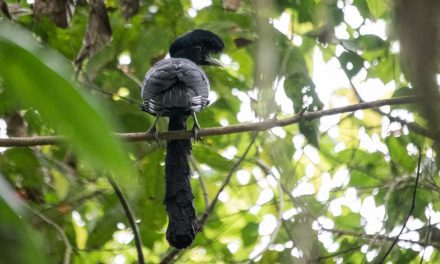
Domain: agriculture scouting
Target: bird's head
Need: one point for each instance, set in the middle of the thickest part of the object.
(198, 46)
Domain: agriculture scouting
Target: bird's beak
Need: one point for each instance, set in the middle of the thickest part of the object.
(213, 62)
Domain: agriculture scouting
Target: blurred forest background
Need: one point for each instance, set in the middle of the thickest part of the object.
(350, 185)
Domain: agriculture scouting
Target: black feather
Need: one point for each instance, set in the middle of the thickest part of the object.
(182, 225)
(197, 46)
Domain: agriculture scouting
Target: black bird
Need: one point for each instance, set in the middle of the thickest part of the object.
(177, 87)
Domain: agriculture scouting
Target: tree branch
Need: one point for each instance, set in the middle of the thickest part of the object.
(426, 240)
(225, 183)
(68, 252)
(201, 181)
(413, 205)
(216, 131)
(411, 125)
(131, 220)
(169, 258)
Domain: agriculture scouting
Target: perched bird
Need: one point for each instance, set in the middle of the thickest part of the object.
(177, 88)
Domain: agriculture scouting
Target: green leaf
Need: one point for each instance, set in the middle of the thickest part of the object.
(348, 219)
(310, 130)
(384, 70)
(153, 192)
(403, 91)
(365, 43)
(33, 120)
(18, 244)
(362, 6)
(366, 169)
(405, 257)
(377, 7)
(249, 234)
(295, 63)
(399, 153)
(301, 90)
(149, 236)
(104, 228)
(351, 63)
(282, 153)
(211, 157)
(360, 178)
(43, 79)
(269, 257)
(371, 42)
(8, 101)
(61, 184)
(22, 163)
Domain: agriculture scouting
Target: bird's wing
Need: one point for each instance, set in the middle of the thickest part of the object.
(175, 83)
(159, 78)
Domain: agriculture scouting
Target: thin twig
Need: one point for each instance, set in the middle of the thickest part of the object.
(89, 84)
(379, 237)
(204, 191)
(170, 257)
(216, 131)
(130, 216)
(201, 182)
(426, 239)
(342, 252)
(391, 189)
(68, 252)
(415, 128)
(94, 87)
(413, 205)
(131, 76)
(280, 209)
(226, 182)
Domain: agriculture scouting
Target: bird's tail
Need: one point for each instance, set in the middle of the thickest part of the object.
(182, 224)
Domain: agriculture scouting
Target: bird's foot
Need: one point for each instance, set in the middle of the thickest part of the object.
(152, 130)
(155, 134)
(195, 131)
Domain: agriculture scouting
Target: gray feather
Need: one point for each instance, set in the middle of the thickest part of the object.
(175, 86)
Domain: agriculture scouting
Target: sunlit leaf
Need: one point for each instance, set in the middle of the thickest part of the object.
(377, 7)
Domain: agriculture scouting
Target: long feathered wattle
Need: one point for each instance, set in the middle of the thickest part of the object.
(182, 224)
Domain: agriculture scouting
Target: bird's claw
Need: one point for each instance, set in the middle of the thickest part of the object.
(195, 131)
(155, 134)
(152, 130)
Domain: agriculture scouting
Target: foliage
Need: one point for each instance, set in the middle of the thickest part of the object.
(335, 189)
